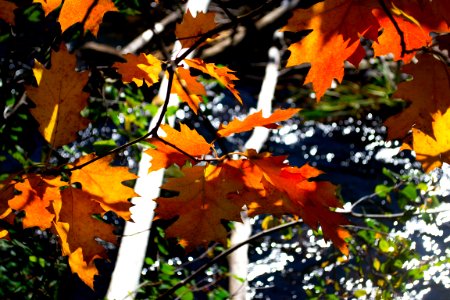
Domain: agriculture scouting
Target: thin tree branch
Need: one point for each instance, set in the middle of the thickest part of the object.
(225, 254)
(153, 132)
(393, 216)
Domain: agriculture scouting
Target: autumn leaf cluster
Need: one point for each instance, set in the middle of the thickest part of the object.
(215, 188)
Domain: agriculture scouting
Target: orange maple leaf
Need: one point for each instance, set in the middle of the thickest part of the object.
(186, 139)
(59, 98)
(139, 69)
(103, 182)
(337, 26)
(101, 190)
(76, 226)
(7, 11)
(77, 229)
(74, 11)
(48, 5)
(416, 22)
(191, 29)
(224, 75)
(202, 204)
(428, 93)
(86, 271)
(256, 119)
(36, 195)
(274, 187)
(188, 89)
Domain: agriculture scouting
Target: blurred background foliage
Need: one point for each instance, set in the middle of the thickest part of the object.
(342, 135)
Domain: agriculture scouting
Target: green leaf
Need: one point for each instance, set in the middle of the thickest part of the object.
(167, 269)
(382, 190)
(359, 293)
(384, 246)
(376, 264)
(184, 293)
(101, 147)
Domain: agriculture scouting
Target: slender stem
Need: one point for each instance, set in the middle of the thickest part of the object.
(394, 216)
(225, 254)
(153, 132)
(115, 150)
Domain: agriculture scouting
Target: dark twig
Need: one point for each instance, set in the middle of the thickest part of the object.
(177, 148)
(171, 71)
(153, 132)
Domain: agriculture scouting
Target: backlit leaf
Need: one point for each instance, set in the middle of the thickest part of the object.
(90, 12)
(202, 204)
(139, 69)
(188, 89)
(337, 26)
(186, 139)
(190, 29)
(36, 195)
(274, 187)
(428, 93)
(59, 98)
(416, 23)
(256, 119)
(432, 151)
(224, 75)
(48, 5)
(104, 184)
(101, 190)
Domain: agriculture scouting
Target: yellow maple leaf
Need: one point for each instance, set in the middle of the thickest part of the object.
(432, 151)
(59, 98)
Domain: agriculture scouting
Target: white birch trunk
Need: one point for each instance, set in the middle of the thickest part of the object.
(238, 260)
(130, 259)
